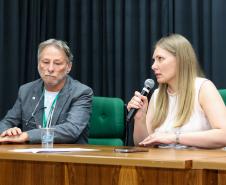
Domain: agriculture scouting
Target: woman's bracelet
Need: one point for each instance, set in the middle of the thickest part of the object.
(177, 134)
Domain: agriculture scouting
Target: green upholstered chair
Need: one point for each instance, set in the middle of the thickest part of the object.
(223, 94)
(107, 123)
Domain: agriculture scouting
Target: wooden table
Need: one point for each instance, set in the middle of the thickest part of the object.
(214, 165)
(105, 167)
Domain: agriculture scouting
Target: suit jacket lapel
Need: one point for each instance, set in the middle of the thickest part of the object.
(39, 113)
(62, 99)
(39, 102)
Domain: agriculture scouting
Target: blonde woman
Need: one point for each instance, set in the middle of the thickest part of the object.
(186, 109)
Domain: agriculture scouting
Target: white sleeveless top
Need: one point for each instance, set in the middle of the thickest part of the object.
(197, 121)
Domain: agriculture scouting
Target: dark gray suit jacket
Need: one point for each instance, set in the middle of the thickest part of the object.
(70, 117)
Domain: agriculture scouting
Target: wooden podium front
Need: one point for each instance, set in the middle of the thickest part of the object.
(105, 167)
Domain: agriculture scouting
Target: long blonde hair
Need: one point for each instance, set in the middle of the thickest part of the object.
(187, 70)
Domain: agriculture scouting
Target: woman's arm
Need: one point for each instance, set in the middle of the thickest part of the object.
(142, 119)
(215, 111)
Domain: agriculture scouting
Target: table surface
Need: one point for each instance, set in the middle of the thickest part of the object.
(217, 163)
(155, 157)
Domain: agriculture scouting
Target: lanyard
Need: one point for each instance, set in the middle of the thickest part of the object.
(50, 115)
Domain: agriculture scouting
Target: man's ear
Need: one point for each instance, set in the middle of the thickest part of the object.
(69, 67)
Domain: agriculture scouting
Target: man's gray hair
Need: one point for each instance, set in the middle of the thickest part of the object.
(58, 44)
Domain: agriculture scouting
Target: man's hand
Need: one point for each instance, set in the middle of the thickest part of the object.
(23, 137)
(11, 132)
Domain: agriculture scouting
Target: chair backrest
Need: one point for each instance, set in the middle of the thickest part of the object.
(107, 123)
(223, 94)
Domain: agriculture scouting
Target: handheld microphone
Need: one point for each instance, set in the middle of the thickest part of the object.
(148, 85)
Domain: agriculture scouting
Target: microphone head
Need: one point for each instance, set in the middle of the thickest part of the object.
(149, 83)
